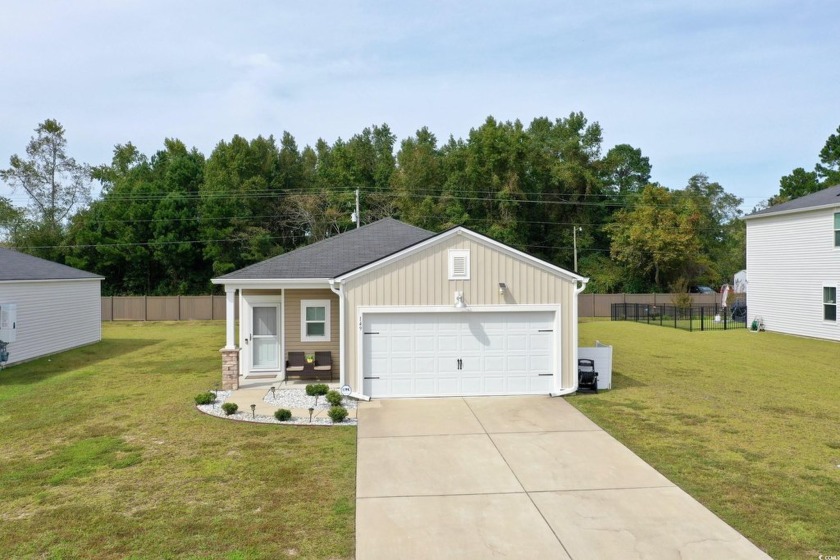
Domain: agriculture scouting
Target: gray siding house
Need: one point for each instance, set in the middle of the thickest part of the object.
(407, 312)
(57, 307)
(793, 265)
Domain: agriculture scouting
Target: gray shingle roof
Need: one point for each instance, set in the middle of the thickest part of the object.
(825, 197)
(336, 255)
(16, 266)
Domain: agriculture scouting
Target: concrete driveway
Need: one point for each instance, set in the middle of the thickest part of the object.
(517, 477)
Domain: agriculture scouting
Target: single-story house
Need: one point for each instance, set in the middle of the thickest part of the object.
(793, 262)
(46, 307)
(406, 312)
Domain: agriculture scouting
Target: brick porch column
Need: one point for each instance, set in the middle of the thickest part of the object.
(230, 369)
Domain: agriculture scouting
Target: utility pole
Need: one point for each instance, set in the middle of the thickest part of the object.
(575, 229)
(357, 214)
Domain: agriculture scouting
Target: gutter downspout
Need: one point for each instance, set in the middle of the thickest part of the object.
(341, 350)
(578, 291)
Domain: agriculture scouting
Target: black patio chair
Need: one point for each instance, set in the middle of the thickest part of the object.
(587, 376)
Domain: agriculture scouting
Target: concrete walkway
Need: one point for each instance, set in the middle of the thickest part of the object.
(518, 477)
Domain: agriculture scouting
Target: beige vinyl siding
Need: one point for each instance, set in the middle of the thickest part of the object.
(421, 279)
(291, 315)
(789, 260)
(53, 316)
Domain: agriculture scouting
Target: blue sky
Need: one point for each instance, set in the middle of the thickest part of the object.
(743, 91)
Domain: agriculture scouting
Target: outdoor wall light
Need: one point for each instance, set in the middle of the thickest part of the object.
(502, 288)
(459, 300)
(253, 411)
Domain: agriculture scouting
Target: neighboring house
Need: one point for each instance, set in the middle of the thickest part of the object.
(406, 312)
(793, 262)
(56, 307)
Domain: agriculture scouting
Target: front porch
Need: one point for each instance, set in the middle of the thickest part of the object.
(277, 325)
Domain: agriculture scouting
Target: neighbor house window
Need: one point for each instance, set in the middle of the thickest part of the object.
(830, 303)
(837, 229)
(459, 264)
(315, 320)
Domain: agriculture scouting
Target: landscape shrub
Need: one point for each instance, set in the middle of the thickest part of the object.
(316, 389)
(230, 408)
(334, 398)
(337, 414)
(283, 414)
(205, 398)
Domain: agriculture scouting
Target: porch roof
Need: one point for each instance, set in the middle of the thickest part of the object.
(337, 255)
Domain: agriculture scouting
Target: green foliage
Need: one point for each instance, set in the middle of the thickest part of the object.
(337, 414)
(283, 414)
(826, 174)
(230, 408)
(334, 398)
(317, 389)
(680, 297)
(205, 398)
(54, 182)
(169, 222)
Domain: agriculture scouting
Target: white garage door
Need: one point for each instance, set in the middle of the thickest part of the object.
(459, 353)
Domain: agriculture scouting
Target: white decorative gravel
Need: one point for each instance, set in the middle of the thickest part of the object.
(284, 398)
(297, 398)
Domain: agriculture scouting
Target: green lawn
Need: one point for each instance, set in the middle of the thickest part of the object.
(103, 455)
(747, 423)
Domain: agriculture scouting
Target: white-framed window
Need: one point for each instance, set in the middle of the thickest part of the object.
(837, 229)
(829, 302)
(459, 264)
(315, 320)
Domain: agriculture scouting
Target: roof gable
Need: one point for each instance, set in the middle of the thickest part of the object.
(15, 267)
(460, 230)
(337, 255)
(821, 199)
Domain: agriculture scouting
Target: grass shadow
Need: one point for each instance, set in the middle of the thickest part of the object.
(56, 364)
(622, 381)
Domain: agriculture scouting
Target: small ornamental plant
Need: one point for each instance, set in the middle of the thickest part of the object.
(337, 414)
(283, 414)
(334, 398)
(230, 408)
(316, 390)
(205, 398)
(310, 358)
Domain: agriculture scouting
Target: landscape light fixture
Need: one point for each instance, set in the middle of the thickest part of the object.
(272, 392)
(311, 410)
(253, 411)
(502, 288)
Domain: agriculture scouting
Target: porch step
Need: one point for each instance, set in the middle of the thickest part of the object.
(262, 377)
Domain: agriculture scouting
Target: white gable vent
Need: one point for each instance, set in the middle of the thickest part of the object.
(459, 264)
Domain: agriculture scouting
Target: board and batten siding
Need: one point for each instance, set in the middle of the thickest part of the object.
(53, 316)
(789, 259)
(421, 278)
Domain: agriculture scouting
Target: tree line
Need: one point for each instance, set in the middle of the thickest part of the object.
(168, 222)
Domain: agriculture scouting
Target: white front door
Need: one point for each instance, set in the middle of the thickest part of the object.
(460, 353)
(265, 337)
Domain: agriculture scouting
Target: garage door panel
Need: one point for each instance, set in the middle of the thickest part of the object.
(418, 354)
(401, 366)
(495, 385)
(449, 386)
(402, 343)
(425, 386)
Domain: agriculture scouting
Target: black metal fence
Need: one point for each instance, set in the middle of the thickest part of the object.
(692, 318)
